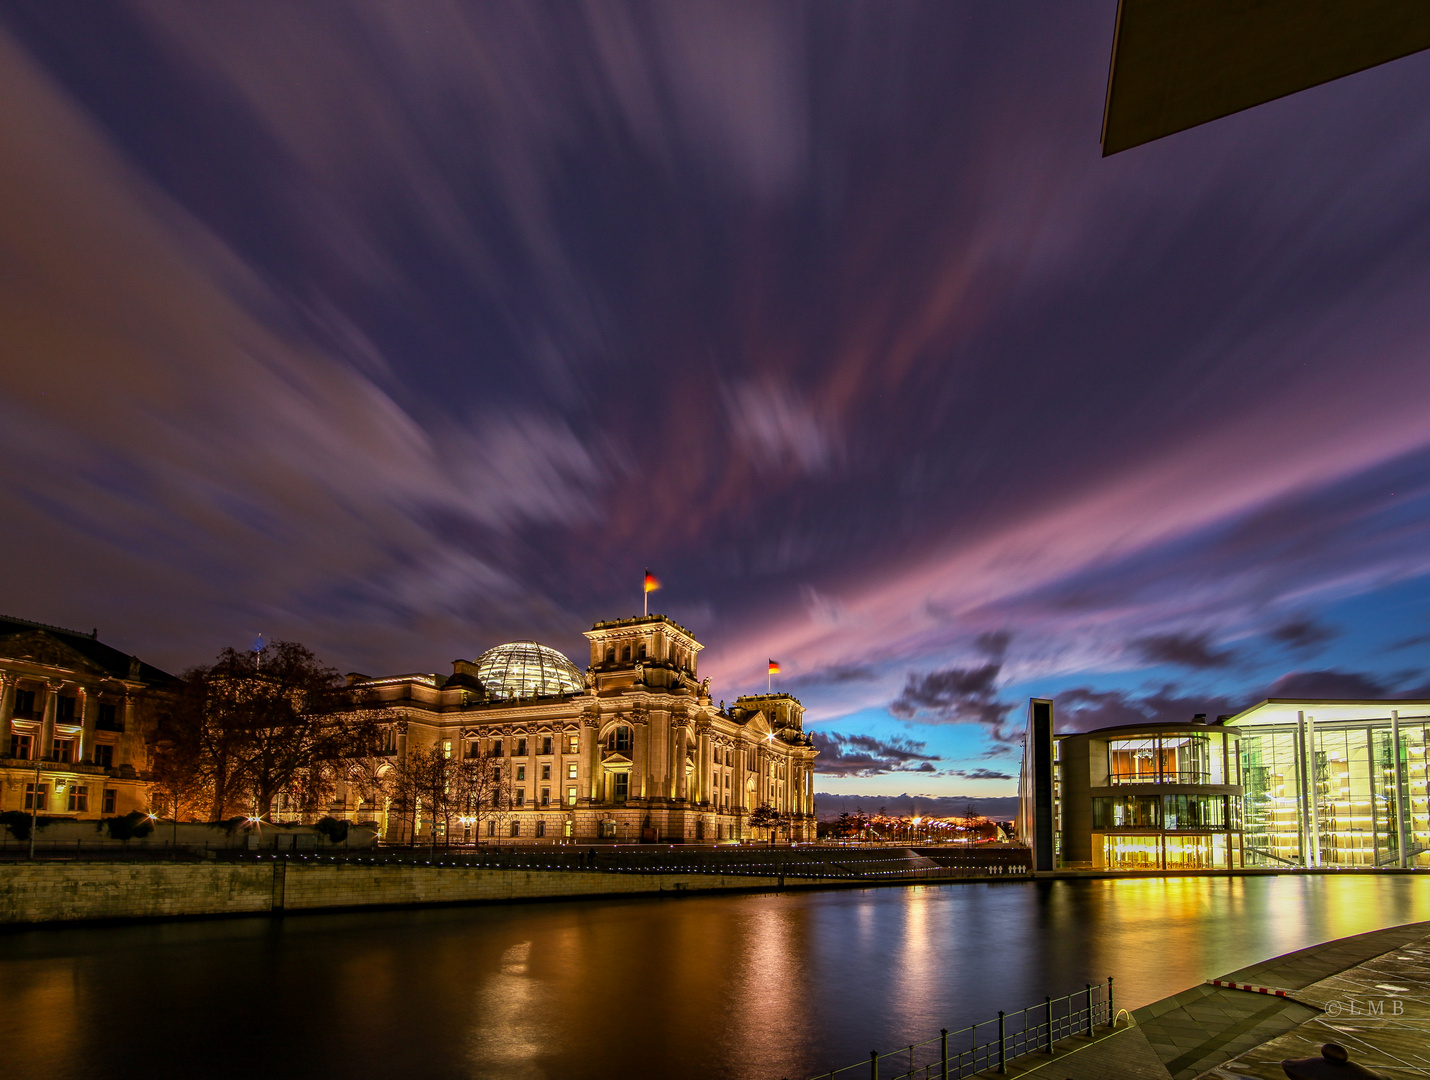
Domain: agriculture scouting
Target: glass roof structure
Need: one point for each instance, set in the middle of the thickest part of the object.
(524, 669)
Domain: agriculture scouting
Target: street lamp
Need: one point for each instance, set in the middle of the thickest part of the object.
(35, 804)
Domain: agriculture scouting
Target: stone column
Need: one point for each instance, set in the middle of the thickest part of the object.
(7, 711)
(89, 714)
(640, 757)
(682, 736)
(702, 757)
(590, 759)
(47, 725)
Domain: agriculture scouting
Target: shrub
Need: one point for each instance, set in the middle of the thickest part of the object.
(335, 829)
(132, 826)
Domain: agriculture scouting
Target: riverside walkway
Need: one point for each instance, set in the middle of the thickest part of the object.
(1370, 993)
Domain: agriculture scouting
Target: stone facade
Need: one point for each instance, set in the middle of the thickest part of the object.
(74, 717)
(640, 754)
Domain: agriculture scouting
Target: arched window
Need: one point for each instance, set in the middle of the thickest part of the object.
(626, 653)
(640, 653)
(619, 739)
(610, 656)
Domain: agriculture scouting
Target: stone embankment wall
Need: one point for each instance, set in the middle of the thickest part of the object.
(75, 891)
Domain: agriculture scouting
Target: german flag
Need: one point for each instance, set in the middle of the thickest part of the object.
(651, 584)
(774, 667)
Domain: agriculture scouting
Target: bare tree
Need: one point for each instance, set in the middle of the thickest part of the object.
(488, 794)
(254, 724)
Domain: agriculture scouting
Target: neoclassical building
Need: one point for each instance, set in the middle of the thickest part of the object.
(631, 749)
(75, 714)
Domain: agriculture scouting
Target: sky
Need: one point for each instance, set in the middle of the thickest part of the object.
(403, 330)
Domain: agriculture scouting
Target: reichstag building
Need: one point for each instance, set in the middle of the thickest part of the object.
(632, 749)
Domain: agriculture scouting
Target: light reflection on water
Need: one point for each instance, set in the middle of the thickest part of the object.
(756, 987)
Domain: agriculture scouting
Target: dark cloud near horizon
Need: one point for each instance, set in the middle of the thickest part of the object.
(1184, 650)
(958, 696)
(864, 755)
(1086, 709)
(1303, 633)
(980, 774)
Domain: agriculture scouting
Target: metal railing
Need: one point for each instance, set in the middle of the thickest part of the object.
(990, 1044)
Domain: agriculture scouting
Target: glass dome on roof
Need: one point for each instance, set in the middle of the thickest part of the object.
(524, 669)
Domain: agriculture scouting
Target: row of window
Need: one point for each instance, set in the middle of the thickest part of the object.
(66, 706)
(61, 750)
(1181, 758)
(678, 656)
(519, 747)
(37, 798)
(1170, 812)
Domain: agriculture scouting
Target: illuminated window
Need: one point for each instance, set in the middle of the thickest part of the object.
(447, 748)
(1132, 761)
(573, 744)
(571, 770)
(79, 798)
(570, 796)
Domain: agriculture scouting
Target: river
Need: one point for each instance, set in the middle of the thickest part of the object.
(752, 987)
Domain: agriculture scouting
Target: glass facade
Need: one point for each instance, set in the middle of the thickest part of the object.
(1337, 792)
(1181, 758)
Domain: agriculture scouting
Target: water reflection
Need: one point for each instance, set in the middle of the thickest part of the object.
(722, 987)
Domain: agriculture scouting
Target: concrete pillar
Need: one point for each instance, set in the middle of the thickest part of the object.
(1313, 789)
(682, 740)
(7, 711)
(1401, 810)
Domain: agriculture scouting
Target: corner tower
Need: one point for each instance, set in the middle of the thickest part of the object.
(665, 651)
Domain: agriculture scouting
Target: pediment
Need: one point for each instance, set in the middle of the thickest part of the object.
(759, 723)
(46, 650)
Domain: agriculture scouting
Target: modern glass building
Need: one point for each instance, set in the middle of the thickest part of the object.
(1148, 797)
(1335, 783)
(1286, 783)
